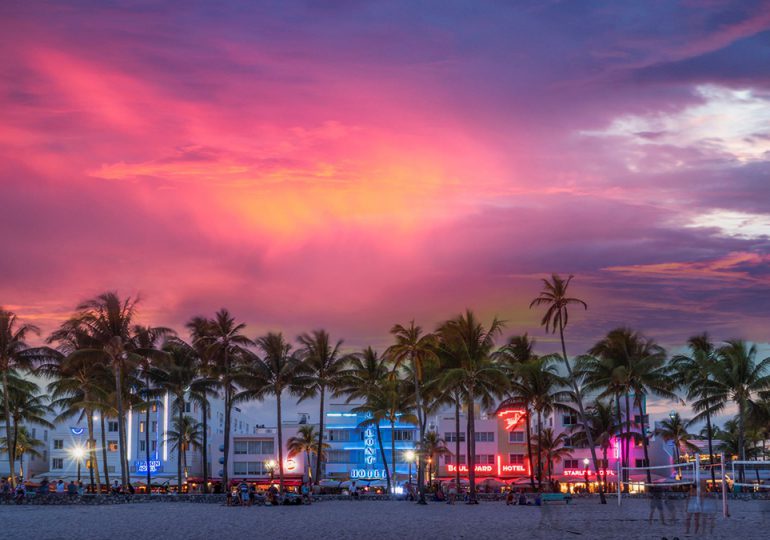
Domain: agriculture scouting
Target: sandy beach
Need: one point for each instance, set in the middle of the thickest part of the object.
(369, 519)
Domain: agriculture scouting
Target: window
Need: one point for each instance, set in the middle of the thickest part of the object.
(154, 446)
(112, 446)
(451, 436)
(484, 436)
(187, 407)
(112, 426)
(638, 419)
(142, 446)
(262, 447)
(342, 435)
(571, 463)
(240, 447)
(569, 420)
(45, 435)
(516, 459)
(58, 444)
(154, 426)
(141, 426)
(57, 463)
(516, 436)
(403, 435)
(251, 468)
(110, 468)
(449, 459)
(154, 407)
(641, 463)
(338, 456)
(485, 459)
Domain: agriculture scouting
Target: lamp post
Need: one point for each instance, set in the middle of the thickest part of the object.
(77, 454)
(586, 461)
(409, 457)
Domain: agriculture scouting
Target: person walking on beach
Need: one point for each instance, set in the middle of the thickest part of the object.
(694, 508)
(656, 503)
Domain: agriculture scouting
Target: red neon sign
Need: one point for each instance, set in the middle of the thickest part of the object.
(512, 417)
(464, 468)
(582, 472)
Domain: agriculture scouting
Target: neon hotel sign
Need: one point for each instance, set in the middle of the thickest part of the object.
(486, 468)
(583, 472)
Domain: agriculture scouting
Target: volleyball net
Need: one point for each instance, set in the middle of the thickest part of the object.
(664, 476)
(750, 475)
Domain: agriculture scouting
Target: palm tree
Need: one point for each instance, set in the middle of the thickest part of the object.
(322, 365)
(604, 425)
(552, 449)
(433, 446)
(416, 349)
(674, 430)
(13, 344)
(740, 377)
(389, 401)
(185, 434)
(538, 384)
(25, 444)
(225, 343)
(465, 338)
(695, 373)
(306, 442)
(27, 406)
(177, 376)
(271, 374)
(554, 298)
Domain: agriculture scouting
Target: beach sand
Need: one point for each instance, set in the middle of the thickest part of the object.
(584, 518)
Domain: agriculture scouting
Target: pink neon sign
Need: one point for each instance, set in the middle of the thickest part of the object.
(582, 472)
(464, 468)
(512, 417)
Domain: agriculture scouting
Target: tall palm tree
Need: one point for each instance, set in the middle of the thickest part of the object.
(555, 298)
(740, 377)
(28, 406)
(25, 444)
(433, 446)
(389, 401)
(466, 338)
(13, 344)
(176, 376)
(674, 430)
(306, 442)
(271, 374)
(201, 332)
(417, 349)
(538, 384)
(695, 373)
(225, 343)
(551, 449)
(322, 366)
(185, 434)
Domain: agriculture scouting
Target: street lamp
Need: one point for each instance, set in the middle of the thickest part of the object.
(270, 466)
(409, 457)
(585, 464)
(77, 454)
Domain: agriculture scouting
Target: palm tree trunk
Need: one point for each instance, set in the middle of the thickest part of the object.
(147, 434)
(94, 469)
(320, 437)
(471, 445)
(104, 452)
(393, 446)
(539, 451)
(280, 439)
(644, 441)
(529, 450)
(180, 404)
(228, 407)
(382, 452)
(205, 449)
(628, 432)
(457, 441)
(741, 438)
(621, 453)
(581, 410)
(11, 448)
(121, 418)
(606, 467)
(709, 436)
(421, 422)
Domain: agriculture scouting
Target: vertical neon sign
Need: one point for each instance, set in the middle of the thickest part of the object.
(165, 427)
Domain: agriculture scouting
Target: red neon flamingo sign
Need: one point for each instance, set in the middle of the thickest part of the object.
(512, 417)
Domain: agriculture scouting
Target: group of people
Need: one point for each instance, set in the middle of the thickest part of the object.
(700, 510)
(69, 489)
(245, 494)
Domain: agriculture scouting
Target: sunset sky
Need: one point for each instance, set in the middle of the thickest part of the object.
(353, 164)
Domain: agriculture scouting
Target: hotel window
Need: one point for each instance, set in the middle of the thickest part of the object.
(142, 446)
(257, 468)
(58, 444)
(154, 407)
(341, 435)
(449, 459)
(516, 436)
(338, 456)
(112, 426)
(403, 435)
(187, 408)
(154, 446)
(112, 446)
(569, 420)
(154, 426)
(485, 459)
(638, 419)
(571, 463)
(241, 447)
(57, 463)
(240, 467)
(485, 436)
(141, 426)
(641, 463)
(451, 436)
(516, 459)
(262, 447)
